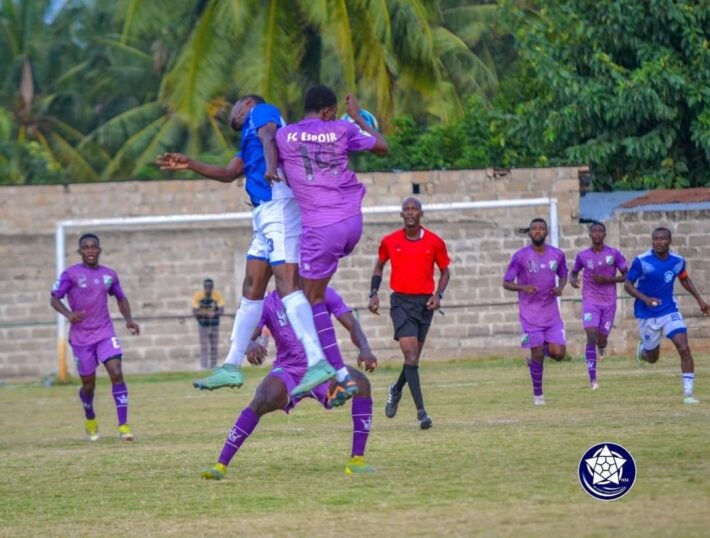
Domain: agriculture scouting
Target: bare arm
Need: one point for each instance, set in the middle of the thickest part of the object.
(434, 302)
(125, 310)
(353, 109)
(561, 286)
(690, 288)
(73, 317)
(358, 338)
(178, 161)
(574, 279)
(271, 155)
(601, 279)
(510, 285)
(374, 304)
(636, 294)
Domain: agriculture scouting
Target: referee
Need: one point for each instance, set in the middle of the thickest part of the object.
(413, 250)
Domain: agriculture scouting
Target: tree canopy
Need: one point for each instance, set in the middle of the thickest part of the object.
(94, 90)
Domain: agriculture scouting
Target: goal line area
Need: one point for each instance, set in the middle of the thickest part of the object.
(445, 214)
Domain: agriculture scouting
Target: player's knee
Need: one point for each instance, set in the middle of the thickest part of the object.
(363, 383)
(262, 406)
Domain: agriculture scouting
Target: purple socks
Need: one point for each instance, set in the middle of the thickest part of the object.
(536, 376)
(326, 335)
(120, 397)
(87, 401)
(243, 427)
(591, 356)
(362, 422)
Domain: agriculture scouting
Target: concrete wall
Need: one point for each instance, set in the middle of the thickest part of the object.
(160, 267)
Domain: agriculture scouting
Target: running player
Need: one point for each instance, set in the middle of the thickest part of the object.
(533, 273)
(650, 281)
(92, 337)
(600, 264)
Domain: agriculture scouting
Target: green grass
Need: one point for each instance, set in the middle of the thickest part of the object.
(492, 465)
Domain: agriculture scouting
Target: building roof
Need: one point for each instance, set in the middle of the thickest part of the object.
(600, 206)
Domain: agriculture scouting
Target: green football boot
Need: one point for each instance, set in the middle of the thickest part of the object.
(216, 472)
(315, 375)
(227, 375)
(358, 465)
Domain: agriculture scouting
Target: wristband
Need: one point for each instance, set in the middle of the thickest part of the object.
(440, 294)
(375, 284)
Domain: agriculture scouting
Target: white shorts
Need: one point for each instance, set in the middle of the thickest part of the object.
(277, 232)
(651, 329)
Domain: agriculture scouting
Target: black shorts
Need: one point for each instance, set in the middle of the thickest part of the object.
(410, 315)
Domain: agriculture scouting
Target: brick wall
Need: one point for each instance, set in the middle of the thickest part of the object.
(161, 267)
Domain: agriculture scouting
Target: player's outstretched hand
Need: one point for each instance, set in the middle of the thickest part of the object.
(367, 360)
(704, 308)
(172, 161)
(133, 327)
(256, 353)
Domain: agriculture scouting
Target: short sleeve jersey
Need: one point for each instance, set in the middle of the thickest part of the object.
(655, 277)
(87, 289)
(290, 354)
(413, 262)
(528, 267)
(212, 303)
(314, 157)
(251, 151)
(604, 263)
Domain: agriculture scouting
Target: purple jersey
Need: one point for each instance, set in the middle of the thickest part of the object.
(314, 157)
(604, 263)
(87, 289)
(290, 354)
(528, 267)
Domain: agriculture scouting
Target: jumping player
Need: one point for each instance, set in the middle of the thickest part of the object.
(290, 365)
(314, 156)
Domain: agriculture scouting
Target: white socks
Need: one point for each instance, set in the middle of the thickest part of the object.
(246, 320)
(300, 316)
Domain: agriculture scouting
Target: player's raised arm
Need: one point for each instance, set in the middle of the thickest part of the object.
(353, 110)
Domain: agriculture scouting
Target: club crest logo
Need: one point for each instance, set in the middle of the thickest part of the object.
(587, 316)
(607, 471)
(609, 260)
(81, 281)
(668, 276)
(553, 265)
(108, 281)
(525, 339)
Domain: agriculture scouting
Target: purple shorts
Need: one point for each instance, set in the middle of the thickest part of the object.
(600, 317)
(87, 358)
(537, 336)
(322, 247)
(290, 380)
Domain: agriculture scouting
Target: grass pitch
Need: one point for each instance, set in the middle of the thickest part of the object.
(492, 465)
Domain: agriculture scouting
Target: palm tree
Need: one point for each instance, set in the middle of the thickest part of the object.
(37, 62)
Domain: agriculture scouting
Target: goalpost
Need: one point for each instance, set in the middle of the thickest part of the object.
(62, 226)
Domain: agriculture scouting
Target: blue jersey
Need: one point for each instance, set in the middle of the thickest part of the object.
(655, 277)
(251, 151)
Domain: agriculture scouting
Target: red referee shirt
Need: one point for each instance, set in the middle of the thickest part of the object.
(413, 261)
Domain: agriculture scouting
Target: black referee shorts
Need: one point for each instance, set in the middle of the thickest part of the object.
(410, 315)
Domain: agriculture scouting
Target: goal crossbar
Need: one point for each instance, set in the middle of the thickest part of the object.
(62, 226)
